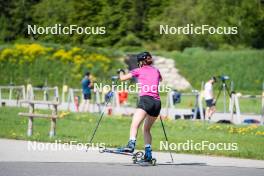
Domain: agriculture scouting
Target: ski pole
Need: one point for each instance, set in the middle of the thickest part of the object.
(109, 97)
(101, 116)
(166, 138)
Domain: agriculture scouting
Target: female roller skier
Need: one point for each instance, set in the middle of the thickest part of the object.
(149, 104)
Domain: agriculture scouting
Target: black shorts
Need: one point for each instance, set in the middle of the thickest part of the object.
(149, 104)
(87, 96)
(210, 103)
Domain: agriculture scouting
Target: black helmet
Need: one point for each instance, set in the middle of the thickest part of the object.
(143, 56)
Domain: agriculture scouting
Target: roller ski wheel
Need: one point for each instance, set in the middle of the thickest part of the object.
(135, 156)
(134, 159)
(102, 149)
(139, 155)
(153, 161)
(143, 162)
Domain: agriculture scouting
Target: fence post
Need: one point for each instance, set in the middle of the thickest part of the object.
(69, 98)
(30, 92)
(64, 91)
(23, 92)
(170, 105)
(56, 94)
(232, 103)
(10, 93)
(97, 100)
(30, 120)
(53, 121)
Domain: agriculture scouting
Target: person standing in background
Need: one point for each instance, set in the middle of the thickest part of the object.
(86, 90)
(209, 98)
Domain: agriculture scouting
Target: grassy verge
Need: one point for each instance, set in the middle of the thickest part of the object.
(244, 67)
(114, 132)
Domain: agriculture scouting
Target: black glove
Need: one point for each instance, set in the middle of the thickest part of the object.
(120, 70)
(109, 95)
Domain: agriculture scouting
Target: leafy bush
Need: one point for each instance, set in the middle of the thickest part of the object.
(37, 63)
(129, 40)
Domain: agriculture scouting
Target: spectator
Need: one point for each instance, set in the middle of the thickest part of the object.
(209, 98)
(86, 90)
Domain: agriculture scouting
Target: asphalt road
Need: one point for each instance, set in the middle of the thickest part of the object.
(17, 160)
(120, 169)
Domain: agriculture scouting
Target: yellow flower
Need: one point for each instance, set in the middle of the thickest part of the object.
(78, 59)
(63, 114)
(6, 53)
(63, 55)
(75, 50)
(32, 50)
(259, 133)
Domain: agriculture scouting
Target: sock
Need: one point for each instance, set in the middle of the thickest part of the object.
(132, 139)
(131, 143)
(148, 146)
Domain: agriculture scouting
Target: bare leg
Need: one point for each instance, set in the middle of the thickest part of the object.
(148, 122)
(212, 111)
(138, 117)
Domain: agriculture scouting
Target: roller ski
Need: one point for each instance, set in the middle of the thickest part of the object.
(135, 156)
(127, 150)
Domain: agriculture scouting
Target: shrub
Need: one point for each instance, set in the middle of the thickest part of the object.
(37, 63)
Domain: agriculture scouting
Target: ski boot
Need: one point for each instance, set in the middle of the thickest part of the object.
(129, 148)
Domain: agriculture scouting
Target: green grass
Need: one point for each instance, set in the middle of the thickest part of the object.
(244, 67)
(114, 132)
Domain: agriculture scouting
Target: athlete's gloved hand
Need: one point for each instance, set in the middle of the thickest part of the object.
(120, 70)
(109, 95)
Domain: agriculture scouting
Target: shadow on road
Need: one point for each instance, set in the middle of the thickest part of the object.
(172, 164)
(183, 164)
